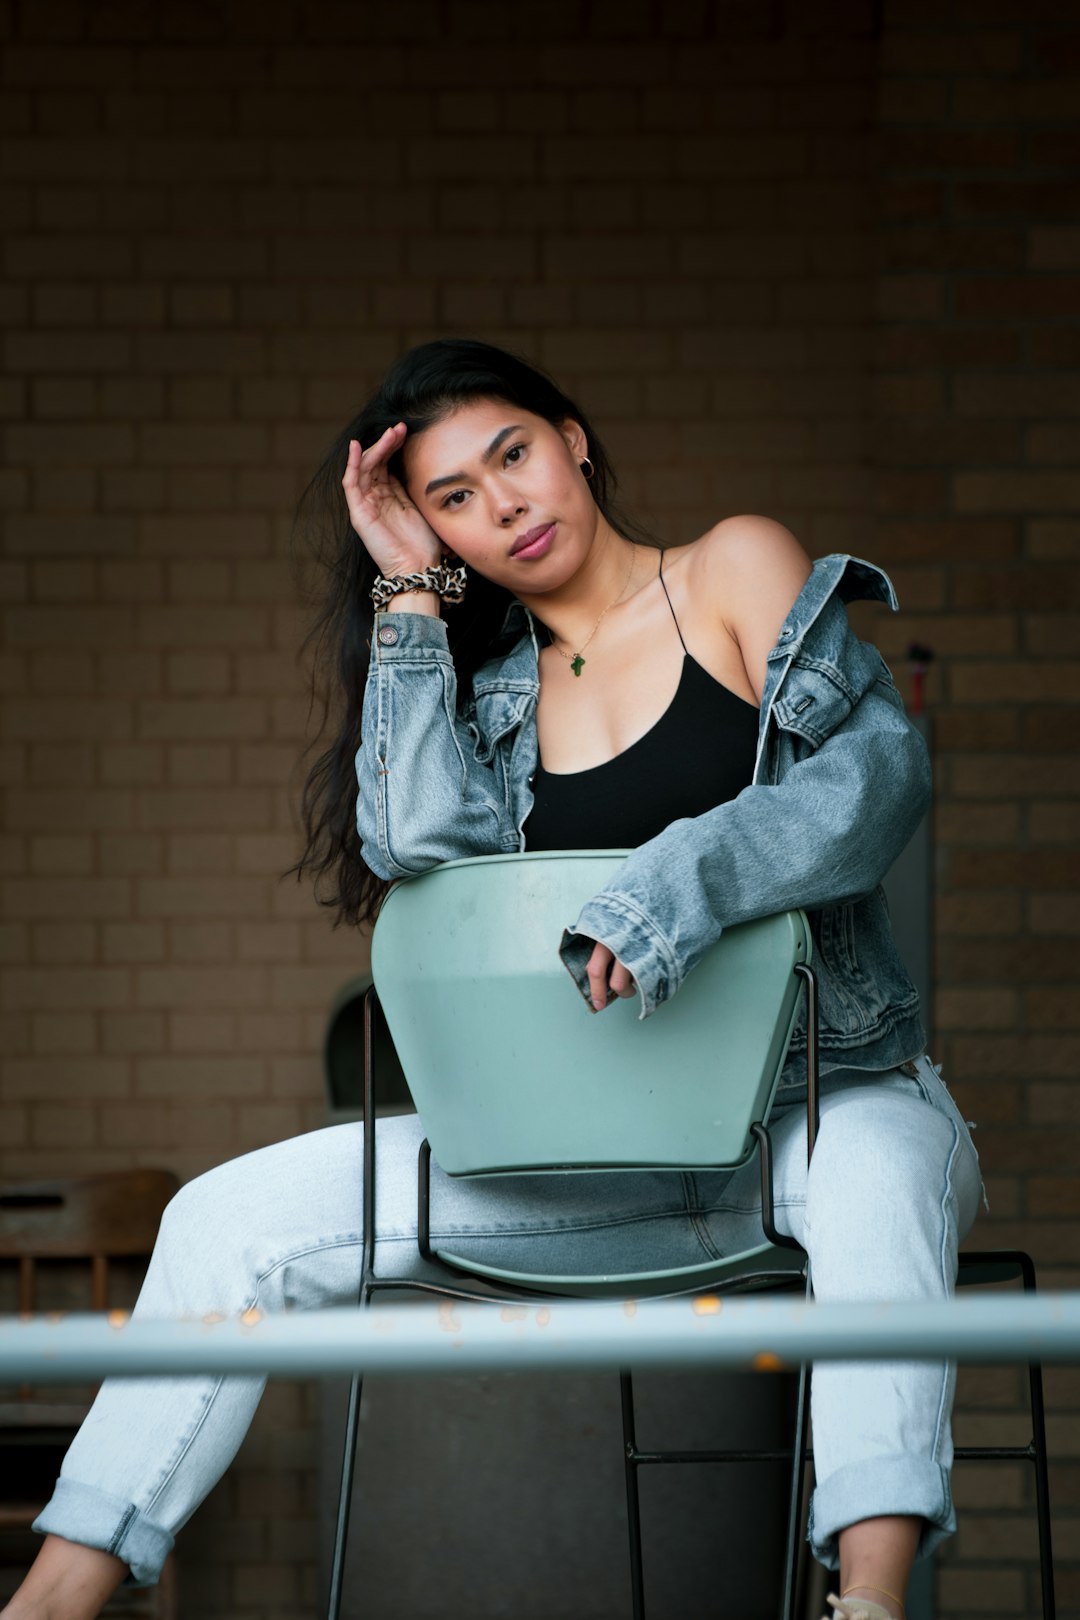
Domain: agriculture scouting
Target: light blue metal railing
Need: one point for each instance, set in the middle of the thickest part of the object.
(566, 1334)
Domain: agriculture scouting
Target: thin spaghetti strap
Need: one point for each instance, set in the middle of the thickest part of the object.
(685, 648)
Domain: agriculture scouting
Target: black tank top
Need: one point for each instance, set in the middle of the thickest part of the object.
(699, 753)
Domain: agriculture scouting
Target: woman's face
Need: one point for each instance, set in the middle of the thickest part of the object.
(504, 491)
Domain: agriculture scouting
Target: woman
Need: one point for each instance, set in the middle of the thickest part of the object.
(705, 705)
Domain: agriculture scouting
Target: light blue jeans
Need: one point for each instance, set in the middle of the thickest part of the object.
(893, 1187)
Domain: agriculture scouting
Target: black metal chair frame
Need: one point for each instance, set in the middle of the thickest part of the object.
(982, 1267)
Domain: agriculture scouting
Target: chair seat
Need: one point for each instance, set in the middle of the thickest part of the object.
(761, 1263)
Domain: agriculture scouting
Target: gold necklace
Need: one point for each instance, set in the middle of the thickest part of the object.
(576, 661)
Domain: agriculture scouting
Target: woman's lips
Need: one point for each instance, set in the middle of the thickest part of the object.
(537, 547)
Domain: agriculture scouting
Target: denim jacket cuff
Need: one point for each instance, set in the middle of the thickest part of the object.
(632, 936)
(400, 636)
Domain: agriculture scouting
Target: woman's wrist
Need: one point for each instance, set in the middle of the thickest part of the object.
(417, 601)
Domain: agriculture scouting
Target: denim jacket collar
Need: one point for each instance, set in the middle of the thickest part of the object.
(839, 574)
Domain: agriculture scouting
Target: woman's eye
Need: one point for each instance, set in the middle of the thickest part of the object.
(452, 499)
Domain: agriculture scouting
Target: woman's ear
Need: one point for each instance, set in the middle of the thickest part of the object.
(574, 434)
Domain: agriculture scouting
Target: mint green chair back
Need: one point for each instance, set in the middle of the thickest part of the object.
(512, 1073)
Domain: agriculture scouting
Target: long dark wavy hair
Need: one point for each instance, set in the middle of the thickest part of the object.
(422, 388)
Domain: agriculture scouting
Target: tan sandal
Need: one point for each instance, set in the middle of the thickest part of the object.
(856, 1609)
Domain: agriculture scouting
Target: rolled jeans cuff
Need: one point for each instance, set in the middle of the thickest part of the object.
(82, 1513)
(903, 1484)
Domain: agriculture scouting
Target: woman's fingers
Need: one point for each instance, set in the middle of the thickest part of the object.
(606, 974)
(621, 980)
(362, 465)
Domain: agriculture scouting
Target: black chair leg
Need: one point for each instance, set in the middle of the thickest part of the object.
(795, 1500)
(633, 1507)
(1042, 1491)
(348, 1465)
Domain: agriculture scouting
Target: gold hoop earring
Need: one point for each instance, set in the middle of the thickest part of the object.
(583, 465)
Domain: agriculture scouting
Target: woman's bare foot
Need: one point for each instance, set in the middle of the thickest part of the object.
(66, 1581)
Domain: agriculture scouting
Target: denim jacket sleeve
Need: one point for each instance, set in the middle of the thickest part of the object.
(831, 806)
(420, 764)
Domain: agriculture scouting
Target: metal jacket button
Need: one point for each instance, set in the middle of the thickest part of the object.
(387, 636)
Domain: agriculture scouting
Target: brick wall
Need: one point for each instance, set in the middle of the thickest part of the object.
(977, 392)
(790, 266)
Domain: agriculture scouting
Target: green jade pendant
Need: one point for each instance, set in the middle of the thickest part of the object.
(577, 664)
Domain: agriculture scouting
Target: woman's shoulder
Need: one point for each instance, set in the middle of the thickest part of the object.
(747, 564)
(746, 544)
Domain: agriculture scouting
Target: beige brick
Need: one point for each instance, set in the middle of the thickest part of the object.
(14, 1133)
(197, 1077)
(197, 398)
(89, 624)
(1053, 538)
(130, 397)
(187, 808)
(193, 765)
(264, 1122)
(263, 765)
(979, 914)
(132, 765)
(64, 943)
(13, 857)
(66, 898)
(987, 1008)
(1016, 681)
(131, 305)
(1017, 394)
(276, 941)
(194, 852)
(1016, 491)
(178, 720)
(69, 1124)
(61, 1076)
(131, 854)
(271, 1031)
(64, 1034)
(134, 489)
(62, 856)
(74, 718)
(181, 353)
(137, 1125)
(205, 1032)
(133, 1033)
(65, 303)
(1053, 823)
(202, 941)
(1054, 914)
(171, 987)
(199, 674)
(14, 942)
(203, 626)
(132, 942)
(55, 675)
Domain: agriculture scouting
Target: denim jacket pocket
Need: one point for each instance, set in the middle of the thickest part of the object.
(493, 715)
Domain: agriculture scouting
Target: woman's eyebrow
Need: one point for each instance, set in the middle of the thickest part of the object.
(485, 456)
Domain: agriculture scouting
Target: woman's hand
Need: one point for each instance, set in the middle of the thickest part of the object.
(606, 973)
(394, 534)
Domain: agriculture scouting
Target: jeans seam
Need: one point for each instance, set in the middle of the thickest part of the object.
(121, 1529)
(189, 1442)
(947, 1194)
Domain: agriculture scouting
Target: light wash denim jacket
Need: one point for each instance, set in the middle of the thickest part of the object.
(840, 783)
